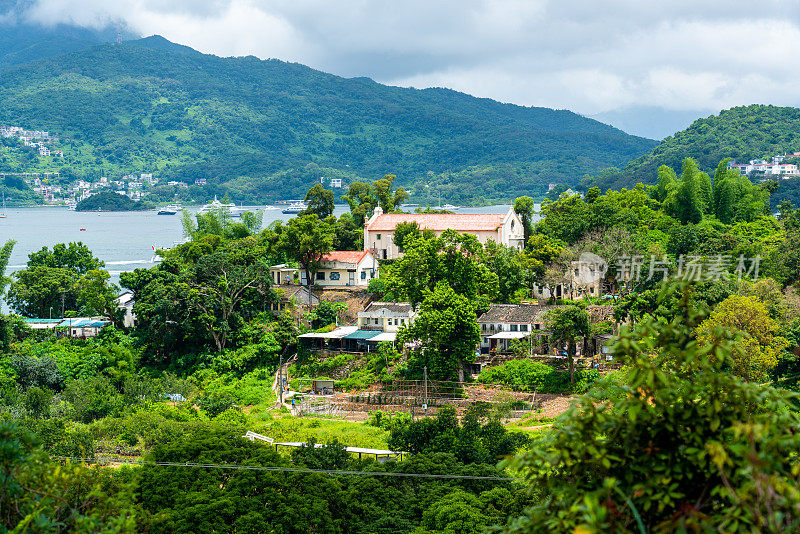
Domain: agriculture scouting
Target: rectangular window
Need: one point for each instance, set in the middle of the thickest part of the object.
(523, 328)
(363, 275)
(334, 276)
(321, 275)
(378, 237)
(513, 328)
(483, 328)
(372, 274)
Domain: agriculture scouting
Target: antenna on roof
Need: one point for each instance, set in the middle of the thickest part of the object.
(119, 35)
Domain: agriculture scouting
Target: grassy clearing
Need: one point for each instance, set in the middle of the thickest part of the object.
(289, 428)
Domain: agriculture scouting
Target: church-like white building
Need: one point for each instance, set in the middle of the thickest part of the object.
(503, 228)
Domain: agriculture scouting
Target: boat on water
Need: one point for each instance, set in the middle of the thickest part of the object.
(172, 209)
(216, 205)
(3, 213)
(271, 208)
(295, 208)
(446, 207)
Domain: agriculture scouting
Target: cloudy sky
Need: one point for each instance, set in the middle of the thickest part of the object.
(589, 56)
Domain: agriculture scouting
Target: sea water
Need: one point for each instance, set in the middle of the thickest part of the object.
(123, 240)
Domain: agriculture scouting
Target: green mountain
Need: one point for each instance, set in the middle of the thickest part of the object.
(263, 130)
(741, 133)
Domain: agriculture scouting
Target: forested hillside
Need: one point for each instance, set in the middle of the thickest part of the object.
(742, 133)
(253, 127)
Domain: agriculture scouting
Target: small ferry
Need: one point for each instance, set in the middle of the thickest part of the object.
(295, 208)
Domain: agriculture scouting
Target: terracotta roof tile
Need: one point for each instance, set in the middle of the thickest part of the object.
(461, 222)
(345, 256)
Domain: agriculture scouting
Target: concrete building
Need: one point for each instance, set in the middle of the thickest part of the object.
(345, 268)
(126, 302)
(503, 228)
(386, 316)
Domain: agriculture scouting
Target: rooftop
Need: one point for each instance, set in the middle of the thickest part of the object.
(460, 222)
(345, 256)
(515, 313)
(393, 307)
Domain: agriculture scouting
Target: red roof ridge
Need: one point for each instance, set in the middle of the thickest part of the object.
(440, 221)
(345, 256)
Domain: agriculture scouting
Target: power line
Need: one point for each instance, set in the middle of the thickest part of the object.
(283, 469)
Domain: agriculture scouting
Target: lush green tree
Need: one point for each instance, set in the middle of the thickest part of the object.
(68, 278)
(476, 440)
(666, 182)
(361, 200)
(229, 285)
(220, 500)
(525, 208)
(326, 313)
(306, 240)
(454, 258)
(592, 194)
(347, 235)
(42, 291)
(687, 201)
(39, 495)
(74, 257)
(388, 200)
(448, 330)
(679, 444)
(332, 455)
(319, 201)
(510, 267)
(757, 346)
(567, 325)
(404, 233)
(5, 255)
(166, 321)
(565, 220)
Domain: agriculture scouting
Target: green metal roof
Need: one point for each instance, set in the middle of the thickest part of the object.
(36, 320)
(362, 334)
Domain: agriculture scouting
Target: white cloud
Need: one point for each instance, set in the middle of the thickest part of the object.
(583, 55)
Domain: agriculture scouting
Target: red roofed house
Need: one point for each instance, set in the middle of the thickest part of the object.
(345, 268)
(503, 228)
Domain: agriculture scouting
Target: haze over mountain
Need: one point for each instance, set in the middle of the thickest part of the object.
(653, 122)
(262, 130)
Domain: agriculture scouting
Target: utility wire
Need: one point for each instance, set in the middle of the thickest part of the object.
(282, 469)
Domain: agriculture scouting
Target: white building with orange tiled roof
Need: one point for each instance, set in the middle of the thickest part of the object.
(345, 268)
(503, 228)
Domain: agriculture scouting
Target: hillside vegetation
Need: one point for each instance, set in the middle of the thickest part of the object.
(260, 130)
(742, 133)
(108, 201)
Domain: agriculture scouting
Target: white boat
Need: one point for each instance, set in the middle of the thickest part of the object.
(3, 213)
(169, 210)
(295, 208)
(270, 208)
(216, 205)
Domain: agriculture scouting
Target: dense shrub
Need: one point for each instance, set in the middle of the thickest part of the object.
(538, 376)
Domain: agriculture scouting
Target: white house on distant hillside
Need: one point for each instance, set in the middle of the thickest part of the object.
(503, 228)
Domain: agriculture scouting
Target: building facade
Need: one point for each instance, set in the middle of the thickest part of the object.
(503, 228)
(345, 268)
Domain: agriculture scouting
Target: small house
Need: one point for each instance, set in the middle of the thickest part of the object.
(345, 268)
